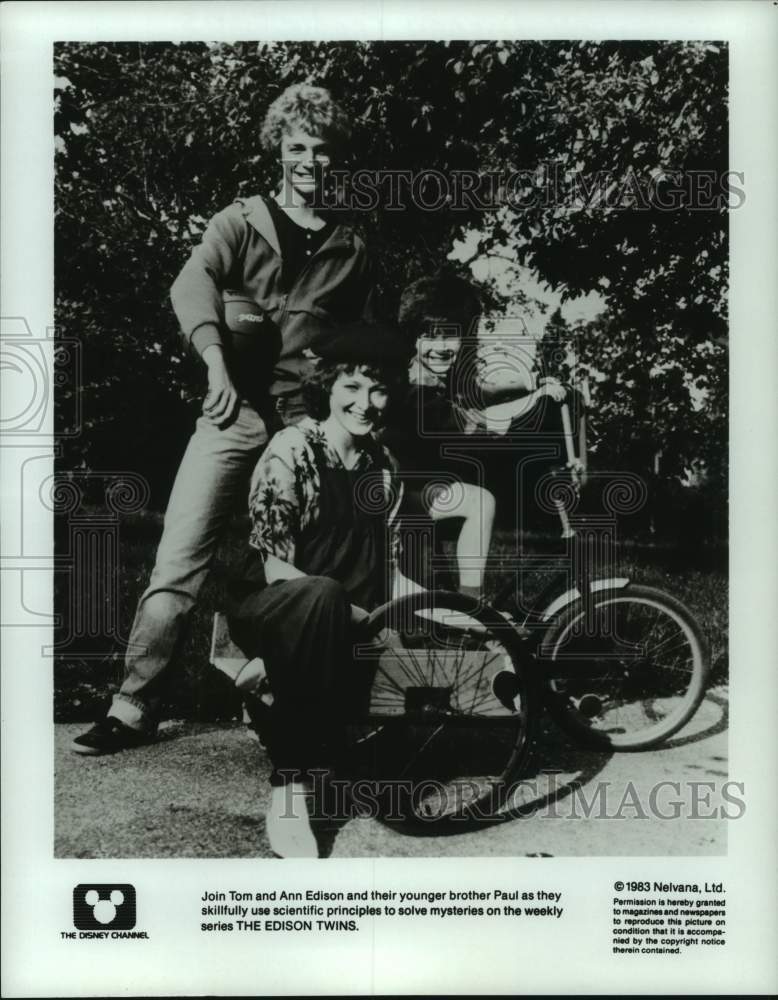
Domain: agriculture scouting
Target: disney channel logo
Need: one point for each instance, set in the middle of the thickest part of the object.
(104, 911)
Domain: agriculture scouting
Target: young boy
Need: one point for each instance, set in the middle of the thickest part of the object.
(443, 478)
(297, 275)
(440, 314)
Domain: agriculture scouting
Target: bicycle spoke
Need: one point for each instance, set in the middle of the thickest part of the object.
(675, 641)
(489, 698)
(480, 670)
(421, 749)
(641, 672)
(414, 673)
(448, 732)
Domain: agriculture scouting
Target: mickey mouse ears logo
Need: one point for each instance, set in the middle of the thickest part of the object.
(103, 907)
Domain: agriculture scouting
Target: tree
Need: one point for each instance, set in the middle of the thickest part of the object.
(658, 409)
(603, 138)
(153, 138)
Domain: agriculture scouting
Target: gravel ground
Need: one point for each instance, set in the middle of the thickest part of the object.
(200, 791)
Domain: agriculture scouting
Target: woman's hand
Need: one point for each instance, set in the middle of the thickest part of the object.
(358, 615)
(403, 587)
(280, 569)
(222, 401)
(552, 387)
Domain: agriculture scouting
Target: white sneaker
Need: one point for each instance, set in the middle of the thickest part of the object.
(288, 824)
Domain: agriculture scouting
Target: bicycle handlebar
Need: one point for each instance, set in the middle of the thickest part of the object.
(576, 460)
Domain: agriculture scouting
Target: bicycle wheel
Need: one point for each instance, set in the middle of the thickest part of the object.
(432, 741)
(632, 676)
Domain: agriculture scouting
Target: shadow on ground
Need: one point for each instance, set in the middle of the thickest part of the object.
(200, 792)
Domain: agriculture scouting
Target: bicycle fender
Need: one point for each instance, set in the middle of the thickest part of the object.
(570, 596)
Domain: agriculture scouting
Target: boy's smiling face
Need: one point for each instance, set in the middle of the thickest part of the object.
(304, 159)
(437, 348)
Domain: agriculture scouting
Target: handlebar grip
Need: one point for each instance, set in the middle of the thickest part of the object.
(567, 426)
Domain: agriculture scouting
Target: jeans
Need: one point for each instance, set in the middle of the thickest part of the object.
(213, 477)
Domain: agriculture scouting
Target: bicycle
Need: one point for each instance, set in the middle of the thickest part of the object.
(451, 700)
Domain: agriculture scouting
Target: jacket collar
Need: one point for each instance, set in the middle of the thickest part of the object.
(258, 215)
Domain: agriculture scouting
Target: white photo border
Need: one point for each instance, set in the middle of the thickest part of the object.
(395, 957)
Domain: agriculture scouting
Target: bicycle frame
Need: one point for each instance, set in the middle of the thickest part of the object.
(607, 686)
(557, 595)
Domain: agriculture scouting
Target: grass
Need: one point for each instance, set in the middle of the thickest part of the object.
(83, 686)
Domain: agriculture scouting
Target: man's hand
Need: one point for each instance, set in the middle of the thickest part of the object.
(222, 401)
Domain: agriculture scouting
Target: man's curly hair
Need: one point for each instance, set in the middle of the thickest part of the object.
(317, 385)
(309, 108)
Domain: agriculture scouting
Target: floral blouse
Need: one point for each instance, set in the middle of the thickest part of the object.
(309, 510)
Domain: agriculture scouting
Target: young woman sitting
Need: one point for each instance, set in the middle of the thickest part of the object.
(323, 500)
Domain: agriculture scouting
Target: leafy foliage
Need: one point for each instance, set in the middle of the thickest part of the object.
(151, 139)
(658, 408)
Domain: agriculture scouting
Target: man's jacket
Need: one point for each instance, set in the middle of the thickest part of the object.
(240, 250)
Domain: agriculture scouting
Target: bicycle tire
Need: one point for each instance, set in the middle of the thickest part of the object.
(635, 679)
(433, 733)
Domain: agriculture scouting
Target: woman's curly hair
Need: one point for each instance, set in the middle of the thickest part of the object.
(317, 385)
(309, 108)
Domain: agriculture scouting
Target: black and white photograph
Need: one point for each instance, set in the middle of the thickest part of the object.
(415, 358)
(379, 495)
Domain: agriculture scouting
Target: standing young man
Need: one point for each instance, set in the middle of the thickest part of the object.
(296, 276)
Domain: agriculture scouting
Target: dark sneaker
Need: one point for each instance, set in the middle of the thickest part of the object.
(505, 688)
(109, 736)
